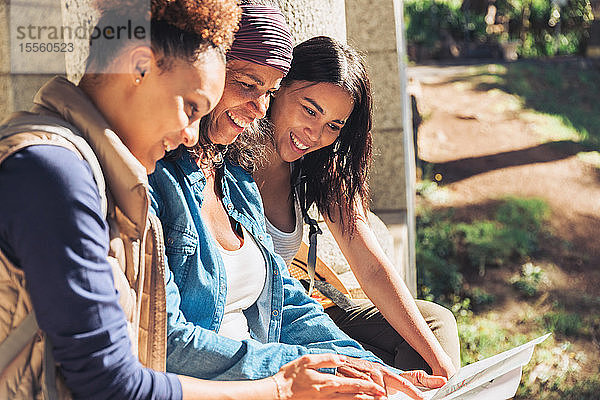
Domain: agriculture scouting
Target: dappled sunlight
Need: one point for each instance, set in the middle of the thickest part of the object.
(563, 93)
(567, 90)
(551, 127)
(591, 158)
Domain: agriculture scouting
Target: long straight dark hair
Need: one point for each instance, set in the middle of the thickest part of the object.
(337, 174)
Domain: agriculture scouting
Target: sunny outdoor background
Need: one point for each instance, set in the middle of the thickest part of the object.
(506, 96)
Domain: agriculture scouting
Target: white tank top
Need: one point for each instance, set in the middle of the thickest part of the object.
(246, 272)
(287, 244)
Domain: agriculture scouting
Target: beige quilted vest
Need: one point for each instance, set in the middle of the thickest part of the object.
(135, 253)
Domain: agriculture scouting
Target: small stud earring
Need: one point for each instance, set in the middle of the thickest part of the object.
(138, 80)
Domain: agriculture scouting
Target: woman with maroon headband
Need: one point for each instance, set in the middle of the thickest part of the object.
(234, 311)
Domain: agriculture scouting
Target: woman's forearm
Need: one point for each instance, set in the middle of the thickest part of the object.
(297, 380)
(386, 289)
(196, 389)
(389, 293)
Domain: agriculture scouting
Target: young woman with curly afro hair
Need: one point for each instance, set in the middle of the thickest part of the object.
(78, 244)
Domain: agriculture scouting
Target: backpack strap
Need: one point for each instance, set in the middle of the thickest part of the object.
(49, 389)
(27, 122)
(16, 341)
(299, 180)
(329, 289)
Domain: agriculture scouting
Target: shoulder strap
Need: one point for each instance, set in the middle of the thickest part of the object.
(299, 179)
(327, 284)
(17, 339)
(27, 122)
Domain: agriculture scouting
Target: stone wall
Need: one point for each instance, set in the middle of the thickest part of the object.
(78, 13)
(308, 18)
(18, 89)
(6, 102)
(371, 29)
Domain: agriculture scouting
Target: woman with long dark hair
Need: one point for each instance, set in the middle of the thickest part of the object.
(319, 152)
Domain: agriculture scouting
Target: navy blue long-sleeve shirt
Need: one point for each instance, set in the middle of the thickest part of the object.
(52, 227)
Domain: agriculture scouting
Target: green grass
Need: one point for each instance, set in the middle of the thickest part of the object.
(550, 127)
(481, 338)
(555, 371)
(447, 247)
(591, 157)
(561, 97)
(563, 323)
(587, 389)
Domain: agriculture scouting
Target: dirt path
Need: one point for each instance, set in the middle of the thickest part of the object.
(483, 150)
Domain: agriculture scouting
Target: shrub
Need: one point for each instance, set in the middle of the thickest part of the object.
(435, 248)
(441, 278)
(529, 280)
(429, 23)
(483, 244)
(550, 29)
(481, 298)
(542, 27)
(446, 248)
(525, 214)
(586, 389)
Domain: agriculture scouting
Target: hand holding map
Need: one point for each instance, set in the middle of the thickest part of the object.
(495, 378)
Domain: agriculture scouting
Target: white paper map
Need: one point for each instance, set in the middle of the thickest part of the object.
(495, 378)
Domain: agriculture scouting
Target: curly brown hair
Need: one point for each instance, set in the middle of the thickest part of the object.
(178, 28)
(213, 20)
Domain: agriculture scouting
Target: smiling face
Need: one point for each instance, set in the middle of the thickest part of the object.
(166, 106)
(248, 88)
(307, 117)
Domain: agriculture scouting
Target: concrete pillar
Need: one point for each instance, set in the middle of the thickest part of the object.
(376, 29)
(593, 48)
(371, 30)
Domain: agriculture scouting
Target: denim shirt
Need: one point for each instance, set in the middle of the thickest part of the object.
(284, 323)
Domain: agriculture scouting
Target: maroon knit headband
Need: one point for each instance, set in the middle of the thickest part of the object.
(263, 38)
